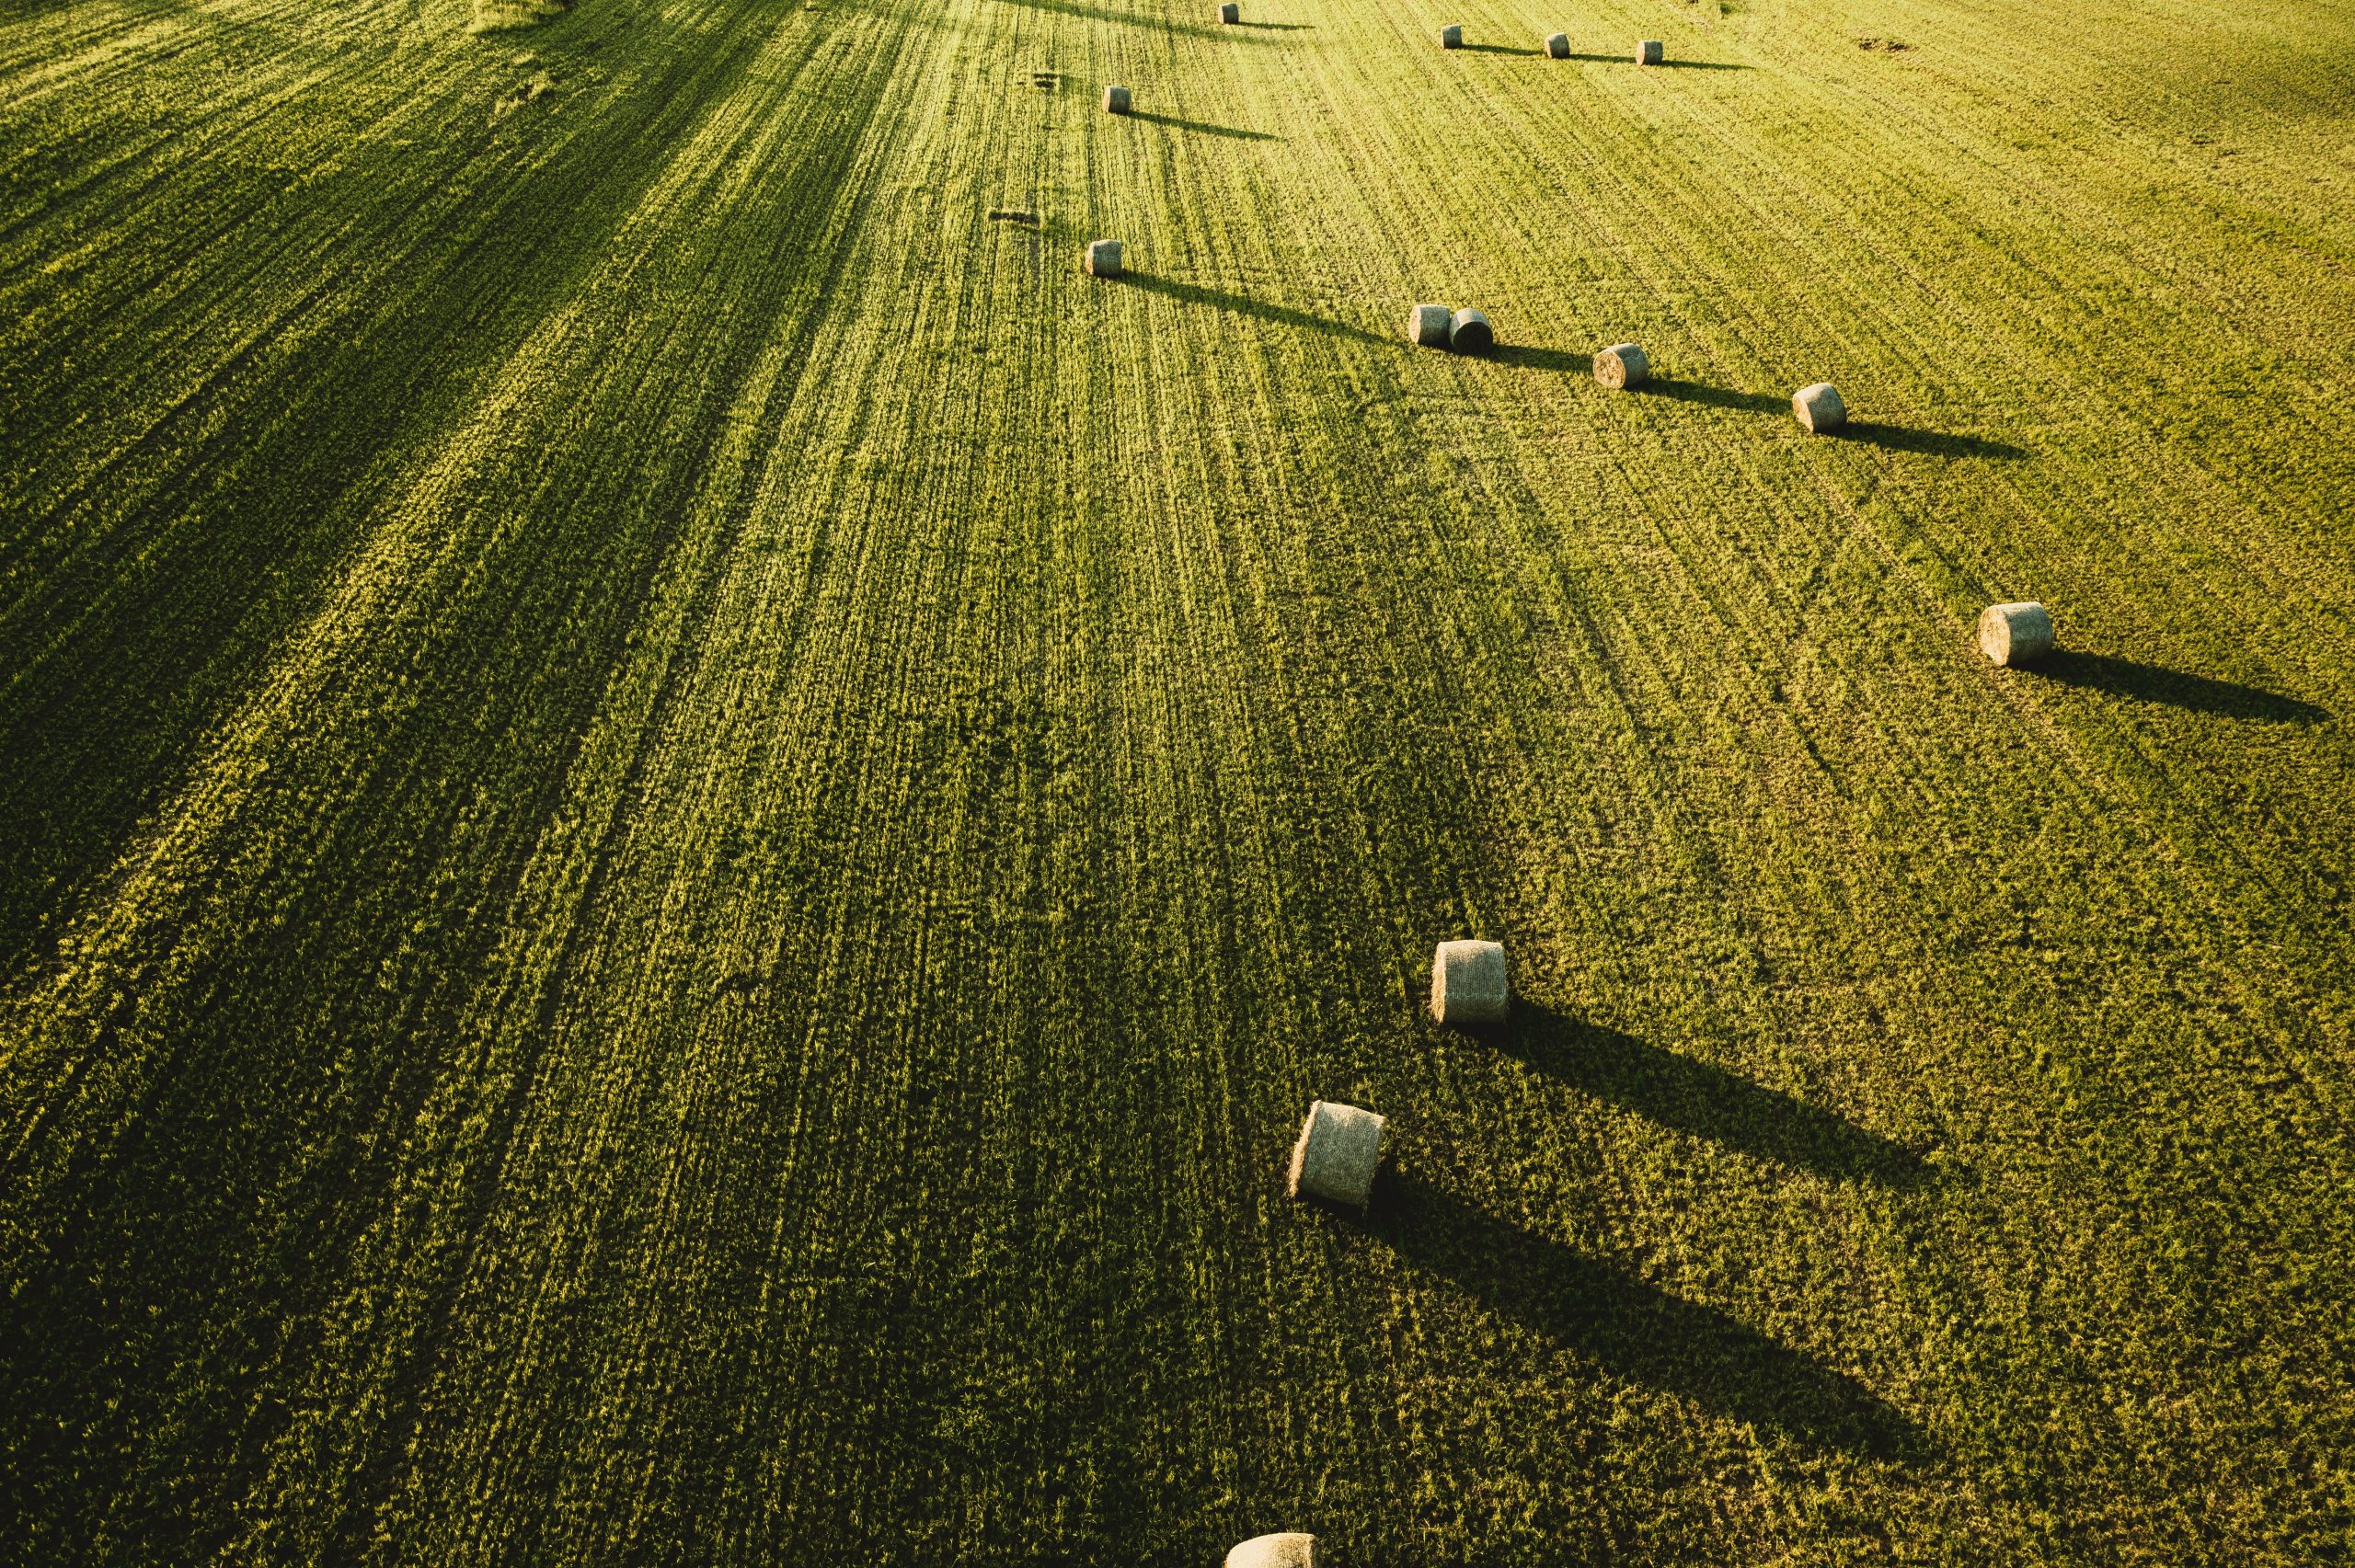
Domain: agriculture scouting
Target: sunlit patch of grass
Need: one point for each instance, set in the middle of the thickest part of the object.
(504, 16)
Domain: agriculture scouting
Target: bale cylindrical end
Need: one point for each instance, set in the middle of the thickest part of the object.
(1468, 984)
(1104, 258)
(1621, 367)
(1469, 333)
(1116, 100)
(1558, 46)
(1229, 13)
(1426, 324)
(1819, 407)
(1649, 53)
(2015, 634)
(1338, 1150)
(1288, 1549)
(1450, 37)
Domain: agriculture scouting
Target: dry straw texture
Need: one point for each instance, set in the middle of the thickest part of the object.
(1648, 52)
(1116, 100)
(1468, 983)
(1426, 324)
(1290, 1549)
(1104, 258)
(2017, 633)
(1622, 366)
(1558, 45)
(1450, 37)
(1338, 1150)
(1469, 332)
(1229, 13)
(1817, 407)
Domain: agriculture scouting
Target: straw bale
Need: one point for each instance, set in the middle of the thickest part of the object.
(1817, 407)
(1290, 1548)
(2015, 634)
(1340, 1147)
(1468, 984)
(1621, 367)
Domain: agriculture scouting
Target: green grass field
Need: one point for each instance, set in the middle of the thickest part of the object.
(682, 827)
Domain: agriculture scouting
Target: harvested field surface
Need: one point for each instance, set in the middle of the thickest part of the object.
(687, 826)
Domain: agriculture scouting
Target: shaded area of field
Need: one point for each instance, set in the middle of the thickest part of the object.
(1201, 128)
(1232, 302)
(1678, 1092)
(2175, 687)
(1635, 1330)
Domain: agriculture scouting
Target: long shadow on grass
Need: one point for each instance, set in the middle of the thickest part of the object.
(1204, 128)
(1560, 360)
(1697, 65)
(1127, 18)
(2176, 688)
(121, 676)
(1865, 432)
(1716, 396)
(1691, 1096)
(1495, 49)
(1936, 443)
(1633, 1329)
(1243, 304)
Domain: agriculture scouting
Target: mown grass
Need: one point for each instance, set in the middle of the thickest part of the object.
(688, 825)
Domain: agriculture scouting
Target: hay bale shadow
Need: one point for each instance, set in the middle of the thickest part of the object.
(1691, 1096)
(1203, 127)
(1529, 358)
(1934, 443)
(2174, 688)
(1633, 1329)
(1135, 19)
(1259, 310)
(1716, 396)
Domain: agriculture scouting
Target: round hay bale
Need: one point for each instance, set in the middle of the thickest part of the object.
(1116, 100)
(1229, 13)
(1450, 37)
(1104, 258)
(2015, 634)
(1290, 1548)
(1819, 407)
(1469, 332)
(1648, 52)
(1339, 1149)
(1621, 367)
(1558, 46)
(1426, 324)
(1468, 983)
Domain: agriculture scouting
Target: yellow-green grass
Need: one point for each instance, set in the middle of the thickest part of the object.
(687, 826)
